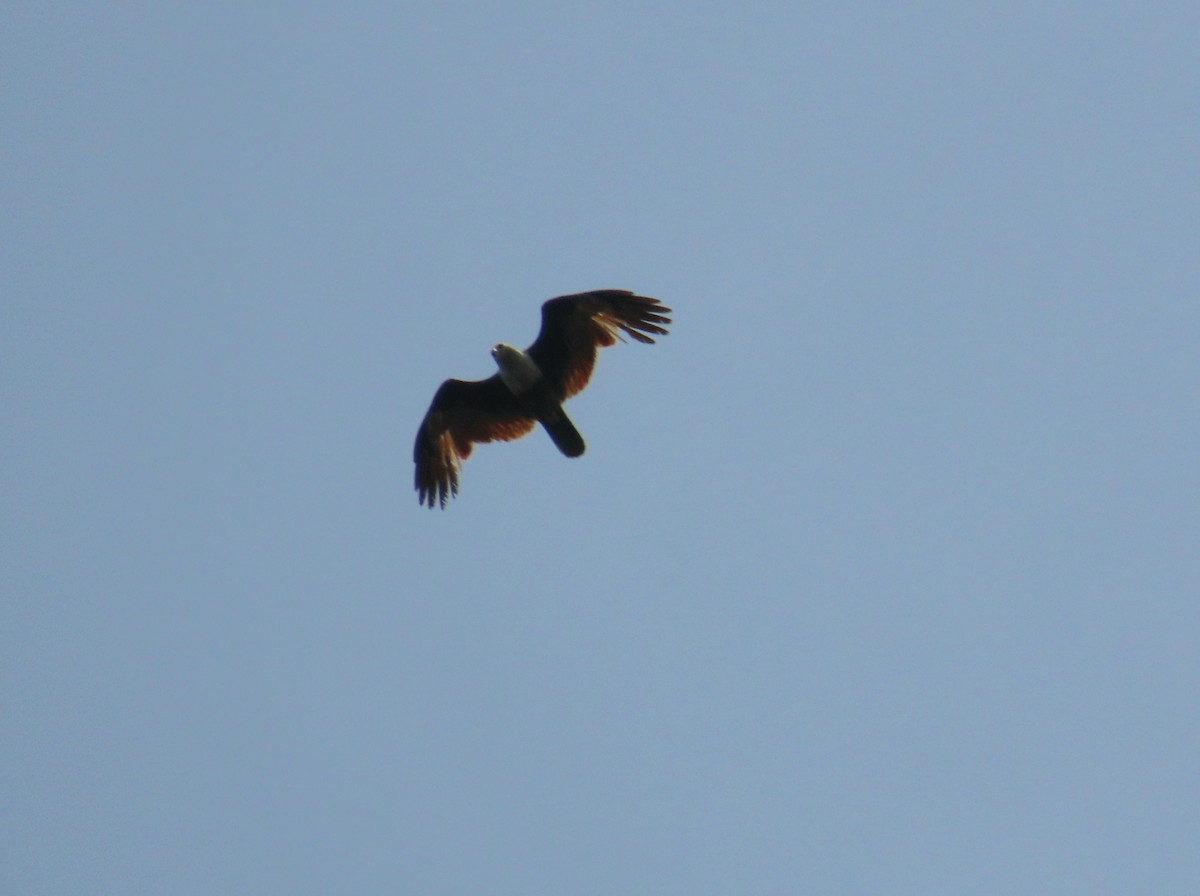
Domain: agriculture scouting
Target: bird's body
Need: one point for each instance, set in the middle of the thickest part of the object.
(530, 386)
(525, 381)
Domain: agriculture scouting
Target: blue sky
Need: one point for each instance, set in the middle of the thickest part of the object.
(880, 573)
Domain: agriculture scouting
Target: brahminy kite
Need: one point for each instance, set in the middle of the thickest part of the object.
(531, 385)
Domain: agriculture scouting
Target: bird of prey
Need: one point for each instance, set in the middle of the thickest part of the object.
(531, 385)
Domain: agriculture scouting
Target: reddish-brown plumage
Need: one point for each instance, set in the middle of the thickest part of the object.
(574, 327)
(465, 412)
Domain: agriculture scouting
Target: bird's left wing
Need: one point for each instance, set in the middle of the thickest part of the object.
(575, 326)
(461, 414)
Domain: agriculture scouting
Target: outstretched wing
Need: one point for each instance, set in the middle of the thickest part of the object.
(573, 327)
(461, 414)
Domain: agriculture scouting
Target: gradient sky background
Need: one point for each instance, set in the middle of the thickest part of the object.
(881, 574)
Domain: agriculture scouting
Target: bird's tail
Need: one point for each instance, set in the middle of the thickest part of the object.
(563, 432)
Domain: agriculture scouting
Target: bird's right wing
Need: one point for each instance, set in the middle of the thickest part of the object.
(461, 414)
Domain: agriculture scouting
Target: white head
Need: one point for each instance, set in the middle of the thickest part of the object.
(504, 353)
(517, 369)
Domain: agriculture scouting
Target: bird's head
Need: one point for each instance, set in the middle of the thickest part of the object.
(517, 369)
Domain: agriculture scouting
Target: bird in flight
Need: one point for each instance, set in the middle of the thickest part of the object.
(531, 385)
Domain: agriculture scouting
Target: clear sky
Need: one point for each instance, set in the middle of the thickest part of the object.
(881, 574)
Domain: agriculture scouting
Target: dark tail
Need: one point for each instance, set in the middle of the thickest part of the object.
(564, 433)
